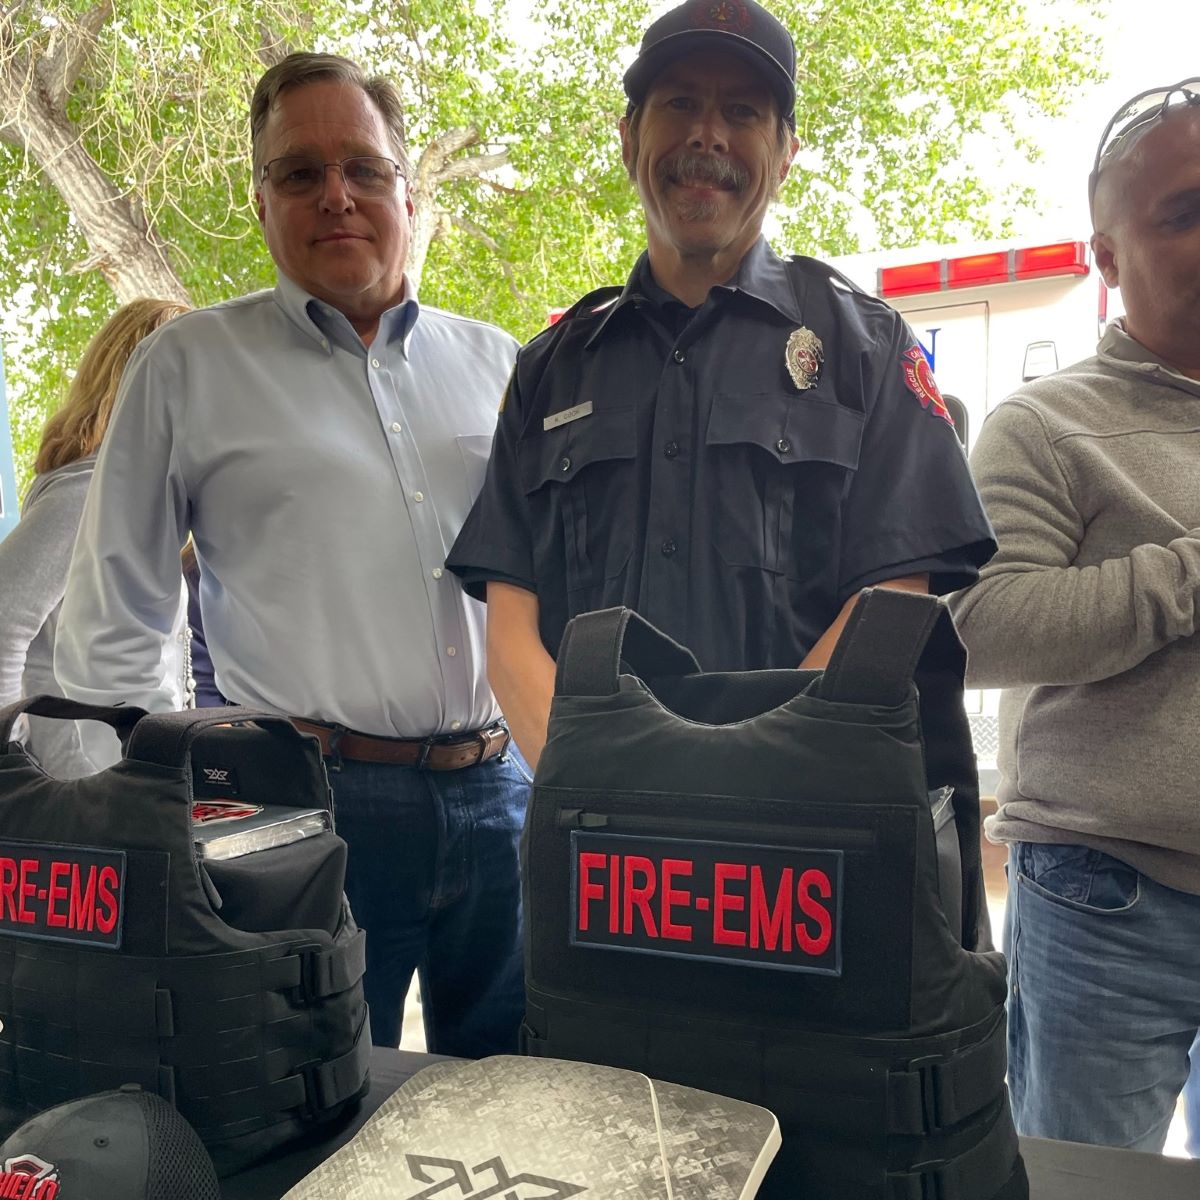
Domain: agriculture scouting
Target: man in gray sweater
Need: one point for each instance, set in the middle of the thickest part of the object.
(1087, 617)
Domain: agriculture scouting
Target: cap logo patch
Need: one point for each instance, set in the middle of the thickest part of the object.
(27, 1176)
(919, 378)
(729, 16)
(804, 355)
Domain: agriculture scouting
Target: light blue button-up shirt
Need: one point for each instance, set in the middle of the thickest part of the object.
(324, 482)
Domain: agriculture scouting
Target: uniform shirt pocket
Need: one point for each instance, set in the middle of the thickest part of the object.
(774, 455)
(579, 481)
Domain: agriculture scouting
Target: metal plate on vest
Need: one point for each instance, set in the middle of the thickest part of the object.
(754, 906)
(57, 893)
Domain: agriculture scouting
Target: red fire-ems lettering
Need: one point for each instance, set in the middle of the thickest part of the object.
(588, 890)
(814, 881)
(8, 886)
(638, 895)
(83, 899)
(26, 1187)
(724, 901)
(614, 890)
(771, 925)
(28, 887)
(670, 896)
(59, 871)
(106, 895)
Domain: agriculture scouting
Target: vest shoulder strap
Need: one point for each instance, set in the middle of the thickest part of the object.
(595, 644)
(121, 719)
(887, 634)
(166, 738)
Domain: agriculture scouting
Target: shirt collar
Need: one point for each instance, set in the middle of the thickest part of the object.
(324, 324)
(761, 274)
(1120, 349)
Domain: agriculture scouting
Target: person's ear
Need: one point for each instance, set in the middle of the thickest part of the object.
(1104, 251)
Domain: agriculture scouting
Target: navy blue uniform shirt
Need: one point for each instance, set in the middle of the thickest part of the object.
(665, 458)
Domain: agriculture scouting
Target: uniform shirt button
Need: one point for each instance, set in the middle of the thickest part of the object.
(418, 496)
(783, 445)
(455, 724)
(671, 449)
(565, 465)
(669, 547)
(679, 356)
(374, 362)
(396, 426)
(437, 572)
(451, 650)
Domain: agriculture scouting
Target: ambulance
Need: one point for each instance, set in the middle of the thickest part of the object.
(989, 317)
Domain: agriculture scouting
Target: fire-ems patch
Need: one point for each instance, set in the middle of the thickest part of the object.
(207, 812)
(920, 381)
(731, 16)
(59, 893)
(758, 906)
(27, 1177)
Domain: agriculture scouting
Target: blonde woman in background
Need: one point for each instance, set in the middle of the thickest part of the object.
(35, 556)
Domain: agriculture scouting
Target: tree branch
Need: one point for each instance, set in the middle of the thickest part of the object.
(473, 230)
(470, 168)
(60, 69)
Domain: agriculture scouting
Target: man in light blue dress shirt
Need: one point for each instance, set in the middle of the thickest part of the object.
(323, 442)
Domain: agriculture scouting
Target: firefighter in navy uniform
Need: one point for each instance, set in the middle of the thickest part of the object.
(734, 444)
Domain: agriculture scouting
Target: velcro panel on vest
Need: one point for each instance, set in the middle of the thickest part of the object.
(594, 646)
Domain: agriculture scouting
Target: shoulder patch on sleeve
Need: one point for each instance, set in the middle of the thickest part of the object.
(919, 380)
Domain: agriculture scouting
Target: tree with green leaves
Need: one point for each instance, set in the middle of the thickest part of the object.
(124, 145)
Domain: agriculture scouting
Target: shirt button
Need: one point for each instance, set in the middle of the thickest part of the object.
(565, 465)
(455, 724)
(438, 572)
(679, 356)
(451, 650)
(396, 426)
(374, 362)
(671, 449)
(669, 547)
(783, 445)
(418, 496)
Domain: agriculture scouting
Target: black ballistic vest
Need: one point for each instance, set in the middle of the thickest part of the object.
(738, 882)
(231, 988)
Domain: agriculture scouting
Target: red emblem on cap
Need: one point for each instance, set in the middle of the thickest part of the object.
(921, 383)
(28, 1176)
(730, 16)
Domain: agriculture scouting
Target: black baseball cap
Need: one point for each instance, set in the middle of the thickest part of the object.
(122, 1145)
(739, 27)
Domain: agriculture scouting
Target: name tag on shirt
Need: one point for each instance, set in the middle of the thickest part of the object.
(568, 415)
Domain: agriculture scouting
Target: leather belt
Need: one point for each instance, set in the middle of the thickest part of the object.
(429, 754)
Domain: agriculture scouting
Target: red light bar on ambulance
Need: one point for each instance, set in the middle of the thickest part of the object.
(975, 270)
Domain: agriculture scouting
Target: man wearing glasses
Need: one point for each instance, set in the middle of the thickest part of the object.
(1087, 617)
(323, 443)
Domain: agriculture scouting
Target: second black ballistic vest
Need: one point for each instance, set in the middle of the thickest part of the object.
(768, 885)
(231, 988)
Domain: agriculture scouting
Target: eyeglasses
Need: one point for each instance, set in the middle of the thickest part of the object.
(1144, 109)
(365, 176)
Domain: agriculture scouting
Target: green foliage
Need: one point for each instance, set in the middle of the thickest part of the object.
(889, 90)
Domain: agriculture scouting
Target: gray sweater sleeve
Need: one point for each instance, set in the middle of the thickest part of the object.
(1034, 618)
(34, 559)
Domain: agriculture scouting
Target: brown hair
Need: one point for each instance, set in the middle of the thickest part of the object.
(79, 425)
(296, 70)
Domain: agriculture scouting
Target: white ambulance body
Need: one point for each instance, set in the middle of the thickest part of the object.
(988, 318)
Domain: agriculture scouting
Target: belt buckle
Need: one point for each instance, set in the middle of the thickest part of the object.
(487, 736)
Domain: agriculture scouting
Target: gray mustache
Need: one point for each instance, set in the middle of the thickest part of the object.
(703, 169)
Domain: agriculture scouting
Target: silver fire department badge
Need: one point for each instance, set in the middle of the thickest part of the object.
(804, 355)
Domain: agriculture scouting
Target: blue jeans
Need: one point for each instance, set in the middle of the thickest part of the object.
(1104, 996)
(433, 876)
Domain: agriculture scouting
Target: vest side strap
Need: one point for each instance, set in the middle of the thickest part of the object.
(933, 1095)
(878, 650)
(595, 644)
(982, 1171)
